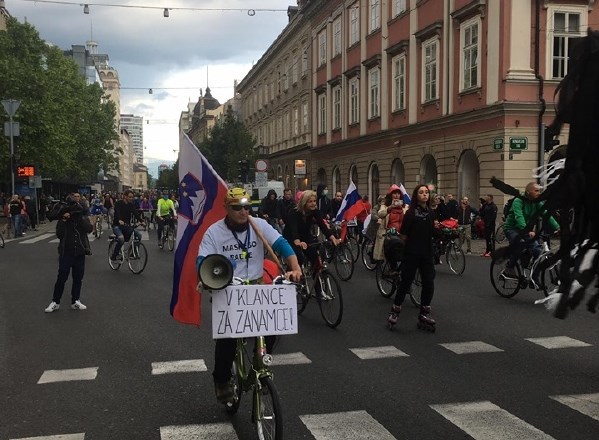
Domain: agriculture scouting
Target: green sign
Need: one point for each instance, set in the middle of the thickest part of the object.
(498, 144)
(519, 144)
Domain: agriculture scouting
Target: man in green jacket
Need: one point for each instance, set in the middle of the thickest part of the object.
(524, 211)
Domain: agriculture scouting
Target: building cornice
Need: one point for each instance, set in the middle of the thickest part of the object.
(397, 48)
(433, 29)
(475, 7)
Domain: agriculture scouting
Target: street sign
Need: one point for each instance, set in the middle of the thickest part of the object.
(11, 106)
(35, 181)
(519, 143)
(15, 129)
(26, 171)
(261, 178)
(498, 144)
(261, 165)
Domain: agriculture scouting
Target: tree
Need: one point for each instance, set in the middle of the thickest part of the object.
(67, 126)
(169, 178)
(227, 144)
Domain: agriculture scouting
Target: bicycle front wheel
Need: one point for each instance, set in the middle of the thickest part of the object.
(386, 284)
(500, 234)
(302, 296)
(137, 257)
(268, 414)
(114, 264)
(550, 275)
(416, 289)
(355, 247)
(344, 262)
(331, 302)
(505, 286)
(1, 240)
(456, 260)
(170, 239)
(233, 405)
(367, 258)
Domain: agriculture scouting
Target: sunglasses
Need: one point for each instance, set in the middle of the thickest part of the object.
(239, 207)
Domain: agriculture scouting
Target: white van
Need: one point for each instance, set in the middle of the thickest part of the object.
(259, 192)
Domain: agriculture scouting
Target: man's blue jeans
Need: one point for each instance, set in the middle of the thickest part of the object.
(16, 224)
(531, 244)
(123, 234)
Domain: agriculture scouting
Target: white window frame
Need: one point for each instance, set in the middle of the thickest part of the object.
(374, 92)
(322, 48)
(337, 37)
(295, 121)
(430, 70)
(552, 10)
(337, 107)
(374, 15)
(304, 116)
(467, 49)
(322, 113)
(398, 64)
(354, 100)
(399, 7)
(354, 24)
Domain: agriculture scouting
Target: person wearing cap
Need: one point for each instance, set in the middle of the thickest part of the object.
(390, 214)
(243, 241)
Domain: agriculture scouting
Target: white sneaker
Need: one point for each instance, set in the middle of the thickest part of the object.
(53, 306)
(77, 305)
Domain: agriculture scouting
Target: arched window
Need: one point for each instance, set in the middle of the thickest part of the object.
(287, 178)
(398, 172)
(428, 170)
(321, 177)
(469, 176)
(337, 180)
(373, 181)
(353, 175)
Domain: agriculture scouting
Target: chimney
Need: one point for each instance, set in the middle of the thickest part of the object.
(291, 12)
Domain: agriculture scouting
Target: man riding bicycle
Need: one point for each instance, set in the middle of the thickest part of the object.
(240, 240)
(124, 211)
(519, 224)
(164, 207)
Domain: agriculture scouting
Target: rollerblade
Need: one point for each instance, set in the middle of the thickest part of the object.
(393, 316)
(425, 322)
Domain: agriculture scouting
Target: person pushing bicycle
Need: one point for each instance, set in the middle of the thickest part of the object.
(124, 211)
(243, 241)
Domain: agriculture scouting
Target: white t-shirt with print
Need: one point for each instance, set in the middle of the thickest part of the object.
(219, 239)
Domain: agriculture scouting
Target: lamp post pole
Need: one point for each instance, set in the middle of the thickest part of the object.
(11, 106)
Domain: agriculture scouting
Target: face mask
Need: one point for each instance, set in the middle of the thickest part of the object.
(325, 192)
(165, 197)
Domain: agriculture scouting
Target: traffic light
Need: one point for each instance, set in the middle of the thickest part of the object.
(550, 141)
(244, 169)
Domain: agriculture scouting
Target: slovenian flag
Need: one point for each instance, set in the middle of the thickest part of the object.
(350, 199)
(201, 203)
(404, 195)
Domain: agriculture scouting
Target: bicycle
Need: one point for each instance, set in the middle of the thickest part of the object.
(445, 243)
(1, 239)
(388, 278)
(353, 238)
(341, 256)
(168, 233)
(526, 268)
(324, 287)
(133, 252)
(500, 234)
(368, 254)
(98, 225)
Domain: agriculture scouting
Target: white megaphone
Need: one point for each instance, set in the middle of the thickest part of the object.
(215, 272)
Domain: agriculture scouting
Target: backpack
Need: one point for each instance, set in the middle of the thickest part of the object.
(55, 211)
(508, 206)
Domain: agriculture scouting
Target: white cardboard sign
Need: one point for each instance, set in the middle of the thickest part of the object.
(254, 310)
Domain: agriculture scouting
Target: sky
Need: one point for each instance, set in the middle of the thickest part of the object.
(176, 57)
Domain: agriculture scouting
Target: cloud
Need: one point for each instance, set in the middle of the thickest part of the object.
(175, 56)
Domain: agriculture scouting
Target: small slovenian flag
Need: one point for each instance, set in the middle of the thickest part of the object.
(350, 199)
(201, 196)
(404, 195)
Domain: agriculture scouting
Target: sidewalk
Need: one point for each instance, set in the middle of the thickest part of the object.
(44, 228)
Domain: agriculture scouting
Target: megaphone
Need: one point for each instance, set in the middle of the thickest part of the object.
(215, 272)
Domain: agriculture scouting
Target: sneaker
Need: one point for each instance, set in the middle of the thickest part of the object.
(224, 391)
(52, 307)
(485, 254)
(510, 273)
(117, 257)
(77, 305)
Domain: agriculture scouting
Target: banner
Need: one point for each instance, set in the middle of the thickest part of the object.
(201, 203)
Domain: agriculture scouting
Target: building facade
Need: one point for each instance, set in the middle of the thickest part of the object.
(3, 15)
(135, 126)
(449, 92)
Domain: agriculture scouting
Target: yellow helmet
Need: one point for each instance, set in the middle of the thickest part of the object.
(238, 196)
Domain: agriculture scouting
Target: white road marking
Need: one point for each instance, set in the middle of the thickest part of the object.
(558, 342)
(185, 366)
(38, 238)
(387, 351)
(212, 431)
(50, 376)
(487, 421)
(56, 240)
(345, 425)
(290, 359)
(471, 347)
(587, 404)
(55, 437)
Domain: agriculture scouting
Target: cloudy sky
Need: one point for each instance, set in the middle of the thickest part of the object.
(170, 55)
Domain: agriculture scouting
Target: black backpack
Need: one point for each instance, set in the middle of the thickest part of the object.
(55, 211)
(508, 206)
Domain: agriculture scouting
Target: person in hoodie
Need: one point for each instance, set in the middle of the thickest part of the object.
(323, 203)
(268, 208)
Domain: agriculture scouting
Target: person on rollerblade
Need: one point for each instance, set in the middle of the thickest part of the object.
(417, 233)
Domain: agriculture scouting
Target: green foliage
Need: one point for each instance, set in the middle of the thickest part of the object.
(67, 126)
(227, 144)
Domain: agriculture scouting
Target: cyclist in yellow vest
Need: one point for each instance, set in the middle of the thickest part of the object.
(165, 213)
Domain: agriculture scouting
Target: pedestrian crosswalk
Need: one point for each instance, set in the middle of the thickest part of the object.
(480, 420)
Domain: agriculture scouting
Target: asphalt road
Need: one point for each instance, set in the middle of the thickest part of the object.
(499, 386)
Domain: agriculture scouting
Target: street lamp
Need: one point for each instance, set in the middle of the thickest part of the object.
(11, 106)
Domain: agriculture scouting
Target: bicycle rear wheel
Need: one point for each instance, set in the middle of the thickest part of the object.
(416, 289)
(367, 250)
(331, 303)
(1, 240)
(137, 257)
(114, 264)
(506, 287)
(456, 260)
(343, 261)
(384, 282)
(268, 414)
(302, 296)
